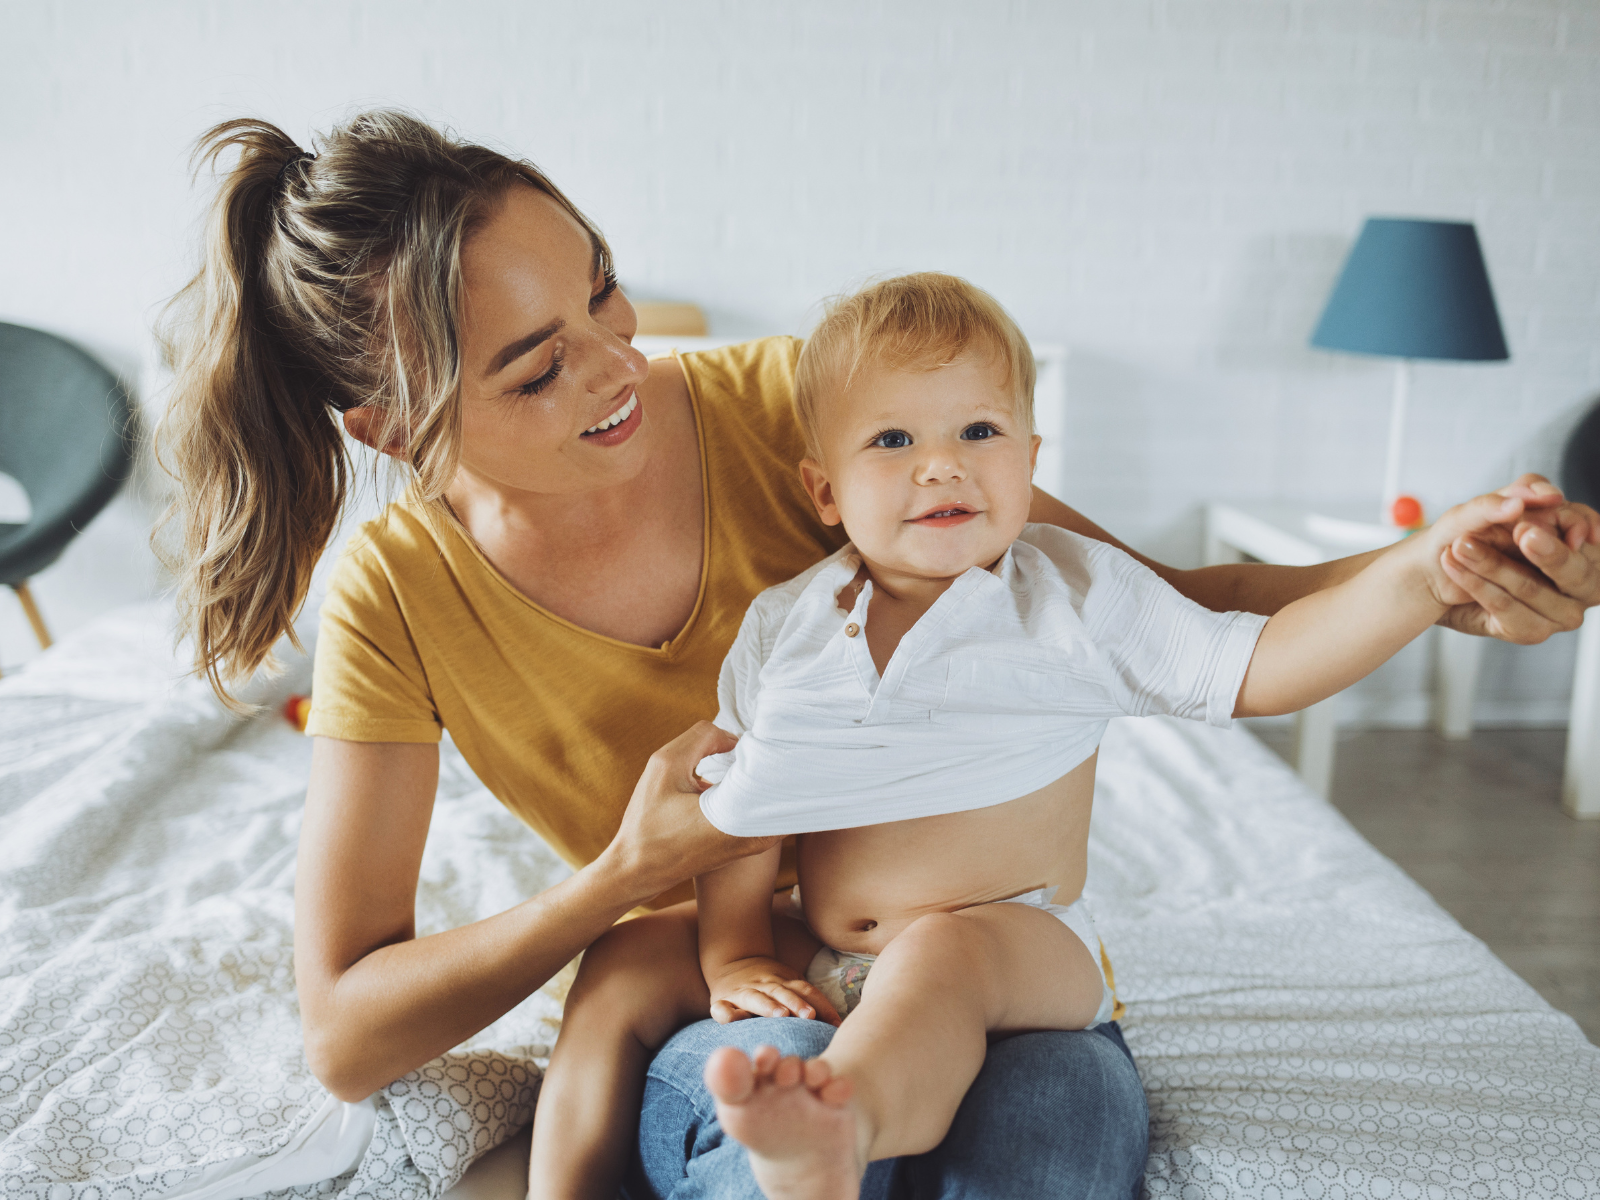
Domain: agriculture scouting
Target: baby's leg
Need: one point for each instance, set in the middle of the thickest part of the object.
(890, 1082)
(636, 986)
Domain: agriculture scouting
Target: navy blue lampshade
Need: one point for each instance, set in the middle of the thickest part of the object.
(1414, 289)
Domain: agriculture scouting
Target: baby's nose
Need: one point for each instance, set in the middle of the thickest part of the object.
(942, 466)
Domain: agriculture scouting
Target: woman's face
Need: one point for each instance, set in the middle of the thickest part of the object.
(547, 357)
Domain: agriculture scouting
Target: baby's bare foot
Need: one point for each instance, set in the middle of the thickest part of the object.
(794, 1118)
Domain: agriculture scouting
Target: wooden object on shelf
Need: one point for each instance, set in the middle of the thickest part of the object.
(661, 318)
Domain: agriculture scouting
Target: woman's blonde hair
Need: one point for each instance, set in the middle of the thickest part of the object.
(328, 281)
(911, 322)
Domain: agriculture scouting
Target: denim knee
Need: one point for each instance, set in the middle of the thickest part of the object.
(682, 1153)
(681, 1063)
(1050, 1114)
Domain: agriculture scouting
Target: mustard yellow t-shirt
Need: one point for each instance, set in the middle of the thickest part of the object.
(421, 633)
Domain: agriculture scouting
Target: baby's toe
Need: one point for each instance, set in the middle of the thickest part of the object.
(729, 1076)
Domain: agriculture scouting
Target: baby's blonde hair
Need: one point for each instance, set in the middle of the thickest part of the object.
(918, 322)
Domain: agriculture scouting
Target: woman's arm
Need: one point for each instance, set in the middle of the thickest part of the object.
(1516, 601)
(377, 1001)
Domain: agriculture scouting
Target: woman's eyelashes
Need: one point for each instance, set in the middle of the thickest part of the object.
(608, 289)
(534, 386)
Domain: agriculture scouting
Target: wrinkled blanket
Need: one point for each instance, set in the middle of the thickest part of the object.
(1308, 1023)
(149, 1035)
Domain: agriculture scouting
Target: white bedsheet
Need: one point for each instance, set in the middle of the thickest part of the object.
(149, 1037)
(1308, 1023)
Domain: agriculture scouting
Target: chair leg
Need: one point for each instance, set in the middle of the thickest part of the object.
(32, 611)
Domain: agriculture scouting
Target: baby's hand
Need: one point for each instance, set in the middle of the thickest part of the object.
(1545, 508)
(764, 987)
(1511, 521)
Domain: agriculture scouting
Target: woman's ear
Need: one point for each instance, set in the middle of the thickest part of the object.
(365, 424)
(820, 490)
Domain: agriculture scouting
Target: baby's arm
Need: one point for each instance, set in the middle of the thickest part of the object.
(736, 946)
(1324, 642)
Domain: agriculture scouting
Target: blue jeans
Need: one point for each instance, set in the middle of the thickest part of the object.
(1050, 1114)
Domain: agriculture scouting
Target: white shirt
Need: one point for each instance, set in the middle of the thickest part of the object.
(1003, 686)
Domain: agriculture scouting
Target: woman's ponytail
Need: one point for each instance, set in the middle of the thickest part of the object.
(250, 437)
(328, 281)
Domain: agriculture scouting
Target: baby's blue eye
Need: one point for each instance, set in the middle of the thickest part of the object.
(893, 439)
(980, 432)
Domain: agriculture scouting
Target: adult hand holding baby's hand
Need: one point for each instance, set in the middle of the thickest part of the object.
(1526, 573)
(664, 839)
(764, 987)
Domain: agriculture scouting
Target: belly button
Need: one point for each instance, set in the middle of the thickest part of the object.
(866, 927)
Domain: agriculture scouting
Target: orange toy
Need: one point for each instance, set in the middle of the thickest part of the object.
(297, 710)
(1406, 512)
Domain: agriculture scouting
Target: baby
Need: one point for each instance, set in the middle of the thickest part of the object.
(924, 709)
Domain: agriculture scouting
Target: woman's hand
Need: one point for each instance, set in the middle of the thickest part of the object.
(765, 987)
(1531, 578)
(664, 839)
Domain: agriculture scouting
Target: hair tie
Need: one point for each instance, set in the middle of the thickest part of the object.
(299, 157)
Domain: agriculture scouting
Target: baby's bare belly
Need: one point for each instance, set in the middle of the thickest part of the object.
(861, 887)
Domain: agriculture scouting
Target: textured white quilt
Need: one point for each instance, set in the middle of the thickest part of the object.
(149, 1037)
(1308, 1023)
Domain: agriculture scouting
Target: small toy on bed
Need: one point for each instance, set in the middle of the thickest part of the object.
(297, 711)
(1406, 513)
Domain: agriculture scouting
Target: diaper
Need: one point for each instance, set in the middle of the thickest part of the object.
(840, 975)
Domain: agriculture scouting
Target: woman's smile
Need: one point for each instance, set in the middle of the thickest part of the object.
(619, 426)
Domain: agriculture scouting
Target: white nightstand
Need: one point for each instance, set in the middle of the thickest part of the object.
(1294, 536)
(1580, 788)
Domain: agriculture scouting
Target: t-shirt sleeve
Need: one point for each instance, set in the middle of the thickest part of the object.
(1168, 654)
(368, 684)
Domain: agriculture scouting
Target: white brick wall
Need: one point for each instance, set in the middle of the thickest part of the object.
(1167, 186)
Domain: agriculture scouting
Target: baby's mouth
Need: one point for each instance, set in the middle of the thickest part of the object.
(952, 514)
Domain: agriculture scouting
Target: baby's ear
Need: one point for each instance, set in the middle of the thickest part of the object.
(1034, 442)
(815, 481)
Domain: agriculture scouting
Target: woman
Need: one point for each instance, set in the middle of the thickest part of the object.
(582, 533)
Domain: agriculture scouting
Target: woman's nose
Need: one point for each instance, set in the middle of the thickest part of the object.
(621, 362)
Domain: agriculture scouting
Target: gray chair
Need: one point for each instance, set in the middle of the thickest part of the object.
(66, 436)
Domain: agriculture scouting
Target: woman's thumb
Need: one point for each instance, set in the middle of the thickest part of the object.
(682, 754)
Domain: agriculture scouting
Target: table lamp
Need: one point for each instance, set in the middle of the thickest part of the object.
(1410, 289)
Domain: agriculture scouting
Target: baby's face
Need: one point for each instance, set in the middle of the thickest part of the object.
(931, 472)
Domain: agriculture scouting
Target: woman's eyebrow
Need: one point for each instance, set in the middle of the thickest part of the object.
(521, 346)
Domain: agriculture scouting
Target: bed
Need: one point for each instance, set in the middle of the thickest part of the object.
(1307, 1021)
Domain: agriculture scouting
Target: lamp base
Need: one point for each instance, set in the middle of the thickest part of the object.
(1397, 433)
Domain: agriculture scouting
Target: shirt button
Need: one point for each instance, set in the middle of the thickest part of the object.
(852, 629)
